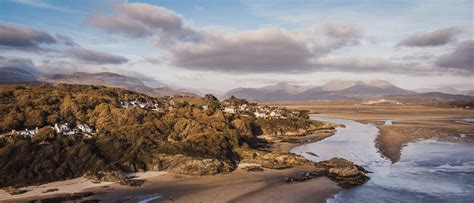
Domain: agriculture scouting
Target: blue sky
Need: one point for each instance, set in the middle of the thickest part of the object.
(226, 44)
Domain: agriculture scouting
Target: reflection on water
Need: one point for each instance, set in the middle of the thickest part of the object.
(428, 171)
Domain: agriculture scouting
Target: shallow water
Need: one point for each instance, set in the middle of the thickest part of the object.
(428, 171)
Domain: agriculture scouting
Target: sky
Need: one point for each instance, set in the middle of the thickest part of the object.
(215, 45)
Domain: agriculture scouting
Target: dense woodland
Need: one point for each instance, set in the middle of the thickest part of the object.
(126, 139)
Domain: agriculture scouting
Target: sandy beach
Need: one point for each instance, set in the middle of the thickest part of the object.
(237, 186)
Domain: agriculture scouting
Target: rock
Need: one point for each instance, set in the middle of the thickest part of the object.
(114, 176)
(202, 167)
(14, 190)
(302, 177)
(187, 165)
(272, 160)
(344, 172)
(253, 168)
(68, 197)
(51, 190)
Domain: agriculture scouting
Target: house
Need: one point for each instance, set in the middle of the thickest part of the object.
(70, 132)
(243, 107)
(260, 114)
(275, 113)
(229, 109)
(27, 133)
(143, 105)
(84, 128)
(64, 129)
(205, 107)
(124, 104)
(61, 128)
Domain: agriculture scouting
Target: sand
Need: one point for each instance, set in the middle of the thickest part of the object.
(65, 187)
(237, 186)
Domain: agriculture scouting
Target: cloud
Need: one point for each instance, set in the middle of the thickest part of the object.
(29, 39)
(263, 50)
(66, 40)
(138, 20)
(24, 38)
(434, 38)
(94, 57)
(270, 49)
(461, 58)
(41, 4)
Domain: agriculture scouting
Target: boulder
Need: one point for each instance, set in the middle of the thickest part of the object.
(342, 171)
(272, 160)
(253, 168)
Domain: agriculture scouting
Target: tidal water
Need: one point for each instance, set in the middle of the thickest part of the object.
(428, 171)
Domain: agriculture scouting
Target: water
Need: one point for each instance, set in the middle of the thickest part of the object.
(428, 171)
(150, 198)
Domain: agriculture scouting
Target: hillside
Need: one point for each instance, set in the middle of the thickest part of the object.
(112, 80)
(10, 75)
(128, 132)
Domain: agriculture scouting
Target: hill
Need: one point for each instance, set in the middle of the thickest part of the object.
(112, 80)
(11, 75)
(128, 132)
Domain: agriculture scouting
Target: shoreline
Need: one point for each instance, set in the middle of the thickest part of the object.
(392, 139)
(236, 186)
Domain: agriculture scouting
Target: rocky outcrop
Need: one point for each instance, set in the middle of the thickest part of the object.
(342, 171)
(272, 160)
(190, 166)
(114, 176)
(253, 168)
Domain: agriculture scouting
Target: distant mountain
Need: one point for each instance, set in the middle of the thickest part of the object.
(333, 90)
(430, 96)
(336, 85)
(11, 75)
(288, 88)
(446, 90)
(112, 80)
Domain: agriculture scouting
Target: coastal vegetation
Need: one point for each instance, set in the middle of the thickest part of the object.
(188, 135)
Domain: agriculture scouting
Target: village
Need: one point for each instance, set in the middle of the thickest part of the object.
(242, 108)
(65, 129)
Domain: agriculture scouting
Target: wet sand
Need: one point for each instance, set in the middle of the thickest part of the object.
(411, 123)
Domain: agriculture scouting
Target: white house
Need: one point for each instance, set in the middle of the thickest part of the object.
(229, 109)
(84, 128)
(70, 132)
(64, 129)
(28, 133)
(61, 128)
(205, 107)
(243, 107)
(275, 113)
(260, 114)
(143, 105)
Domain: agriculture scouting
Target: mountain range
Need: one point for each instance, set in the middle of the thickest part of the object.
(334, 90)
